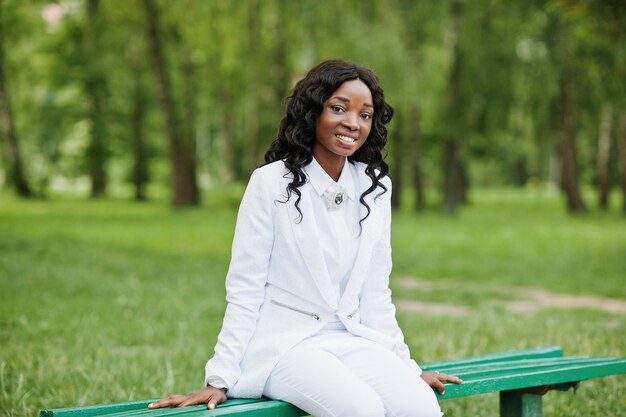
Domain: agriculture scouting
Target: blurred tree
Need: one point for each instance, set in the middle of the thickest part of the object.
(621, 146)
(414, 32)
(140, 151)
(567, 130)
(95, 86)
(566, 113)
(594, 56)
(134, 129)
(416, 157)
(273, 73)
(12, 149)
(252, 106)
(181, 147)
(454, 170)
(229, 75)
(604, 150)
(396, 170)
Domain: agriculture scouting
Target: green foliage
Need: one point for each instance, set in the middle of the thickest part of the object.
(234, 62)
(110, 301)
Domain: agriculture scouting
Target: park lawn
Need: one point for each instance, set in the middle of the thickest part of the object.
(112, 300)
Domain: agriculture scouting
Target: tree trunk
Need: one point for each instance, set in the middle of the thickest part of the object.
(95, 89)
(520, 171)
(14, 161)
(604, 152)
(416, 157)
(455, 181)
(182, 159)
(567, 144)
(281, 71)
(190, 110)
(464, 179)
(454, 176)
(621, 147)
(140, 154)
(398, 160)
(254, 155)
(228, 132)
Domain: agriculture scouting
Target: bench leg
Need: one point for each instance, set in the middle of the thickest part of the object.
(520, 404)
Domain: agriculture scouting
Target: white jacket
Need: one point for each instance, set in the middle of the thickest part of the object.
(278, 288)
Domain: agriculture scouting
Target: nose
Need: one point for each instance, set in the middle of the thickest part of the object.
(351, 121)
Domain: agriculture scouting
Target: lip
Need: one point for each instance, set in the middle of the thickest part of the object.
(344, 142)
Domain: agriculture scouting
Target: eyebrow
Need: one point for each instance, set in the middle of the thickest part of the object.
(347, 100)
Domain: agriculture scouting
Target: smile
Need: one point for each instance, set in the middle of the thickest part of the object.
(346, 139)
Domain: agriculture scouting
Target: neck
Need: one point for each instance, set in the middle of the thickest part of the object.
(333, 167)
(330, 162)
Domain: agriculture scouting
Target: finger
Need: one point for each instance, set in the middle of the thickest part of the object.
(449, 378)
(438, 385)
(215, 400)
(164, 402)
(455, 380)
(190, 400)
(167, 401)
(198, 397)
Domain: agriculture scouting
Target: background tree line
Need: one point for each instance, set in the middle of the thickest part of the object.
(189, 93)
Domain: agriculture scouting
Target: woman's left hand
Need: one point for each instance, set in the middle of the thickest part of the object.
(436, 379)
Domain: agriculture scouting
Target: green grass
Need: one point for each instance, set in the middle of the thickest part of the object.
(111, 301)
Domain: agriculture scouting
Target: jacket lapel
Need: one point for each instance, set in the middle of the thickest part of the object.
(371, 229)
(307, 238)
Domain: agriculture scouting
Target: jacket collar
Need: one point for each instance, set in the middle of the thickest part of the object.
(321, 181)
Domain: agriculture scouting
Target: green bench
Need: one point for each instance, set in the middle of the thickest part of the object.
(518, 376)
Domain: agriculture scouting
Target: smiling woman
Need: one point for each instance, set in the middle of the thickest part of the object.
(309, 318)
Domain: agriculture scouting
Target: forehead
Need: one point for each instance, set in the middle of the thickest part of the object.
(354, 90)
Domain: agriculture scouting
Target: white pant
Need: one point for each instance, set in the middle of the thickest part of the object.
(337, 374)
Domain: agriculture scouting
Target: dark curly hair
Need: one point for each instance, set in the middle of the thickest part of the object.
(296, 132)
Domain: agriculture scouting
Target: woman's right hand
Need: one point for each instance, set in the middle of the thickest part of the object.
(209, 395)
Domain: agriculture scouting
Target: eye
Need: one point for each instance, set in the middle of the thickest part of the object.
(366, 116)
(336, 108)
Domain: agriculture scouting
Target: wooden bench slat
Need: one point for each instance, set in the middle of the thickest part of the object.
(130, 408)
(522, 365)
(534, 378)
(533, 353)
(230, 407)
(96, 410)
(162, 412)
(255, 407)
(268, 408)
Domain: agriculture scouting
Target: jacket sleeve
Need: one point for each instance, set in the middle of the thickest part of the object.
(245, 281)
(376, 308)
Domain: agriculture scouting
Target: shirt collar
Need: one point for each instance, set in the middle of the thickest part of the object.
(321, 181)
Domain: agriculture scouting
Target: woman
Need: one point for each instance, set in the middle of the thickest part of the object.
(309, 318)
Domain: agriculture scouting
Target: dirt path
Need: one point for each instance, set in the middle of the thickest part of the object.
(526, 300)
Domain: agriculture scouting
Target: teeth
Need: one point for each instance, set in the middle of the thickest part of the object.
(346, 139)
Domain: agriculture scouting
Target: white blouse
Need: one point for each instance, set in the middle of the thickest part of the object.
(336, 211)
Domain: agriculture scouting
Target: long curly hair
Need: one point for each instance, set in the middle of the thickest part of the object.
(296, 132)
